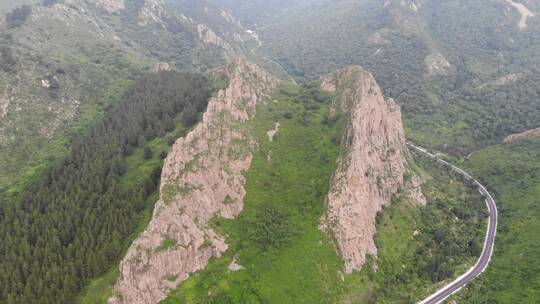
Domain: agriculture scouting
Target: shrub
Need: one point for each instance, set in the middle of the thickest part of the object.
(147, 153)
(190, 116)
(287, 115)
(7, 61)
(272, 228)
(312, 106)
(18, 16)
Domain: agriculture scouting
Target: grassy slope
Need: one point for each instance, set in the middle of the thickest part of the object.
(513, 172)
(306, 267)
(303, 159)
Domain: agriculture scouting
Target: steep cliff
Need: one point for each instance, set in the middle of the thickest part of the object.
(202, 178)
(372, 167)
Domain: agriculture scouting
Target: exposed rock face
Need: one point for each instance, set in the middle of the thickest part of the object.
(502, 81)
(208, 36)
(230, 18)
(152, 12)
(414, 190)
(529, 134)
(161, 66)
(272, 133)
(410, 4)
(202, 178)
(5, 101)
(111, 5)
(406, 4)
(437, 65)
(234, 266)
(328, 85)
(372, 168)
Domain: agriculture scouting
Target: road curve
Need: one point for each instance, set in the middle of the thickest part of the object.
(489, 242)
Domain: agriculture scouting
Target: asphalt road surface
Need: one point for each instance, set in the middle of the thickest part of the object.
(483, 262)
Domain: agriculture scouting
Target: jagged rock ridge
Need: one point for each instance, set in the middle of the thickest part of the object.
(372, 168)
(202, 178)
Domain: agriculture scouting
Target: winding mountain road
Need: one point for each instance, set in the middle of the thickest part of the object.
(489, 242)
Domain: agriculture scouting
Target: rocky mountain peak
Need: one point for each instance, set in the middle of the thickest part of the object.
(372, 170)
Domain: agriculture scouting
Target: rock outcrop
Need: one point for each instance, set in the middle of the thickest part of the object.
(111, 5)
(202, 178)
(5, 101)
(372, 167)
(529, 134)
(437, 64)
(272, 133)
(501, 81)
(152, 12)
(160, 67)
(209, 37)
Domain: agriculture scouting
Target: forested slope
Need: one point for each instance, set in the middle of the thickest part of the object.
(64, 62)
(513, 172)
(464, 72)
(72, 224)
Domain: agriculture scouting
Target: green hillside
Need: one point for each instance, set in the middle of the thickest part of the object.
(285, 258)
(92, 96)
(439, 60)
(513, 172)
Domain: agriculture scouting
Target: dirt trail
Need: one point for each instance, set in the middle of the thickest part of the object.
(524, 11)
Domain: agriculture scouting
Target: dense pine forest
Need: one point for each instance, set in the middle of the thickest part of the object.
(71, 225)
